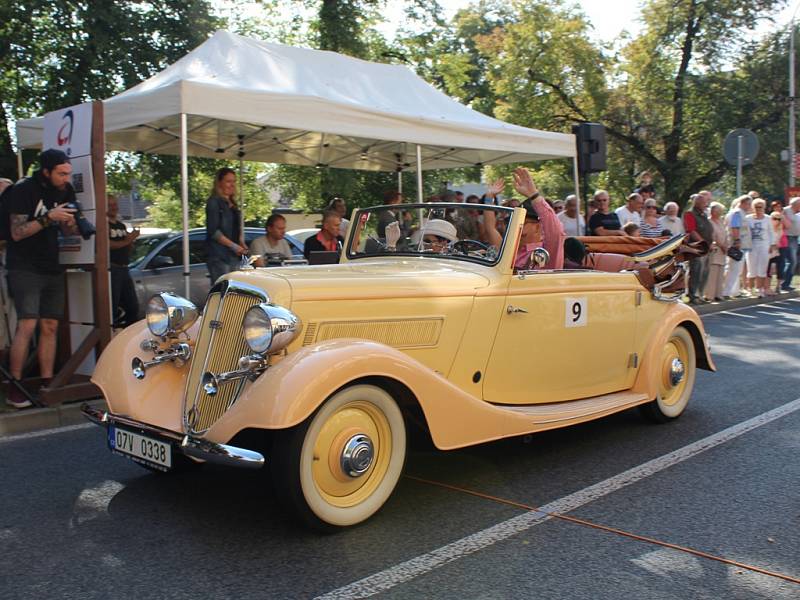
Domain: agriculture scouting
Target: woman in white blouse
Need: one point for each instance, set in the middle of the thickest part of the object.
(763, 238)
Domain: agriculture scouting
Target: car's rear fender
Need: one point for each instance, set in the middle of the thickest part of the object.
(678, 315)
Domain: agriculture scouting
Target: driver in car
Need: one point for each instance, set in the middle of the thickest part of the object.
(436, 236)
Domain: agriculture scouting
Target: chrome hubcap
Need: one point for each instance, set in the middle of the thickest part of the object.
(357, 455)
(676, 371)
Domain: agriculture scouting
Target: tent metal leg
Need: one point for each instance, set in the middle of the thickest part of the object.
(399, 182)
(185, 205)
(419, 173)
(578, 193)
(241, 190)
(20, 172)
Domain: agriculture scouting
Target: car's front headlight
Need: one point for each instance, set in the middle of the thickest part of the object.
(168, 314)
(268, 328)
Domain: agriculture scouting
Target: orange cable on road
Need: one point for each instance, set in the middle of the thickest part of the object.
(620, 532)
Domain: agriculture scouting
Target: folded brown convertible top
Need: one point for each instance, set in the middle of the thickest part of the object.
(619, 244)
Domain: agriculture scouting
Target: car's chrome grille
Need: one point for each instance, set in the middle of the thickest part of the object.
(220, 345)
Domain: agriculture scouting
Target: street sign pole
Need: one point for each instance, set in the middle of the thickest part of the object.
(739, 159)
(740, 148)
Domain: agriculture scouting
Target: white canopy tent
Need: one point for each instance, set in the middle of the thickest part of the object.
(235, 97)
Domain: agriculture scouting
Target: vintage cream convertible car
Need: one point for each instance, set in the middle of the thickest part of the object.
(316, 374)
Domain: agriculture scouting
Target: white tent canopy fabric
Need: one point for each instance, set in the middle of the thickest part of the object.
(265, 102)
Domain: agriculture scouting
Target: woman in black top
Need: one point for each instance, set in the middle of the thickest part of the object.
(224, 234)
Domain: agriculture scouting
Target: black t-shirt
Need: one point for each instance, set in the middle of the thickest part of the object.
(609, 221)
(33, 197)
(117, 232)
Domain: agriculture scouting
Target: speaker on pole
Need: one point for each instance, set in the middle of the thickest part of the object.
(590, 139)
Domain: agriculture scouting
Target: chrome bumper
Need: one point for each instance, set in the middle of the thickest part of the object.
(212, 452)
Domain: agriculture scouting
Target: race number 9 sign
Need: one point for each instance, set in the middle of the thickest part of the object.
(576, 313)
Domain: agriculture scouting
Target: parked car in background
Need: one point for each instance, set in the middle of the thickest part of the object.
(301, 235)
(157, 263)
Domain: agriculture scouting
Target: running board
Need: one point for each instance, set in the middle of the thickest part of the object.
(555, 413)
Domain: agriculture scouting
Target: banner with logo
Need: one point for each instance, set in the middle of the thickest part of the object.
(70, 130)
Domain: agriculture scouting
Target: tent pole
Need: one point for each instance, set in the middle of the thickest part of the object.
(241, 185)
(185, 206)
(19, 163)
(241, 196)
(399, 182)
(419, 173)
(578, 195)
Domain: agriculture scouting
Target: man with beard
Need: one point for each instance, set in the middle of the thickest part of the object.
(37, 209)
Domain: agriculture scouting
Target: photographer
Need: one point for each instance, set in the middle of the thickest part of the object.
(37, 208)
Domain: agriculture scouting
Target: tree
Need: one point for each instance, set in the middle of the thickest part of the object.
(674, 92)
(667, 98)
(55, 54)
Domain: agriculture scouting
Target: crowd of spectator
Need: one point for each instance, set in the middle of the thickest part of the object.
(753, 249)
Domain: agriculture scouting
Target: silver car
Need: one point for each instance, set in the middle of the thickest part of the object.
(156, 263)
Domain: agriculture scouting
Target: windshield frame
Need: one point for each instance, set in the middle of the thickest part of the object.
(356, 220)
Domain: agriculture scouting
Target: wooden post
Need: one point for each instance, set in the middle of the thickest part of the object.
(102, 288)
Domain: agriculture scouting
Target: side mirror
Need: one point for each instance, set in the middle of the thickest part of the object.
(160, 261)
(539, 258)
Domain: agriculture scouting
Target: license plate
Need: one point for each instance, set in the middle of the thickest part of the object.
(140, 447)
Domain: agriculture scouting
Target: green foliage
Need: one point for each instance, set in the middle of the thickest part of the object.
(55, 54)
(667, 98)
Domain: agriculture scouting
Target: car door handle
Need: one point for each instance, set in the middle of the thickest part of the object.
(514, 309)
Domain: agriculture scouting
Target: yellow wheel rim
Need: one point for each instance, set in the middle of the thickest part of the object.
(354, 418)
(671, 393)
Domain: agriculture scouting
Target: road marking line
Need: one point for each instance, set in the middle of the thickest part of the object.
(425, 563)
(44, 432)
(778, 303)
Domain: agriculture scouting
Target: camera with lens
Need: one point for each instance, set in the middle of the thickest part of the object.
(85, 228)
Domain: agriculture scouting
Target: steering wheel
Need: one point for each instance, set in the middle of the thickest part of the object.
(463, 246)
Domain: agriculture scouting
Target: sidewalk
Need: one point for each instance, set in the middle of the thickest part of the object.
(14, 421)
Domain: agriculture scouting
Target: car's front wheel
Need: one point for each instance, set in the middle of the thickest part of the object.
(340, 465)
(676, 374)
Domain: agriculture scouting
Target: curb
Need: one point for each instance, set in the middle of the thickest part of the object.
(715, 307)
(36, 419)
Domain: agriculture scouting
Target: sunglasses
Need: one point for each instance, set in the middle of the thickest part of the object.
(434, 239)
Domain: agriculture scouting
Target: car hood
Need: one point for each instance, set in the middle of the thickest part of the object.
(371, 278)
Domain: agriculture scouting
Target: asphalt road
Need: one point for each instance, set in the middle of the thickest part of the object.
(77, 522)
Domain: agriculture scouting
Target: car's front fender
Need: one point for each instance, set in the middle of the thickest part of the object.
(290, 391)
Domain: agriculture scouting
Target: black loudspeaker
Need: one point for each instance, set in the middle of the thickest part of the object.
(590, 139)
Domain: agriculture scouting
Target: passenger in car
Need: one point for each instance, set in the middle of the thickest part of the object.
(542, 229)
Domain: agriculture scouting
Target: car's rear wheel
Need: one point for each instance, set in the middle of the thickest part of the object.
(676, 373)
(340, 465)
